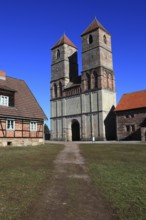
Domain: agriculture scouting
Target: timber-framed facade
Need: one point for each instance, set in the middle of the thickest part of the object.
(21, 117)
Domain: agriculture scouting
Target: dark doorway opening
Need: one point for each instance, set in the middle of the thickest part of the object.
(75, 130)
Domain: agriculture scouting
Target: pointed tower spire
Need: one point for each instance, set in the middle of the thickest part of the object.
(95, 24)
(64, 40)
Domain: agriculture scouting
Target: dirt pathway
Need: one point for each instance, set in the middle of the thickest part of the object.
(71, 195)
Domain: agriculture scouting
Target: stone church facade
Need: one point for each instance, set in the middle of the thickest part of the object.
(82, 105)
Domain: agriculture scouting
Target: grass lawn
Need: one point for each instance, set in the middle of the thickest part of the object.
(119, 173)
(23, 174)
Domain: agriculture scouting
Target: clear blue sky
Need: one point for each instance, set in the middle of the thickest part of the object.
(29, 29)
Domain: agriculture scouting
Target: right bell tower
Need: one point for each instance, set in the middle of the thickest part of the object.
(98, 77)
(97, 54)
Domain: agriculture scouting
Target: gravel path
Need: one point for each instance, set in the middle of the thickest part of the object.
(71, 195)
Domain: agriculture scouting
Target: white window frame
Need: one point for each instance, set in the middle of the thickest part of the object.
(4, 100)
(33, 126)
(10, 124)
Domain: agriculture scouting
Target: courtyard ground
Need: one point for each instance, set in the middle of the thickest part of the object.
(91, 181)
(71, 195)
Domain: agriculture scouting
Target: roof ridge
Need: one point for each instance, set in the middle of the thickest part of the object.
(94, 25)
(15, 78)
(64, 40)
(144, 90)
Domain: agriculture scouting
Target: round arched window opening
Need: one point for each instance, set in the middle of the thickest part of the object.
(55, 90)
(104, 39)
(60, 88)
(90, 39)
(58, 54)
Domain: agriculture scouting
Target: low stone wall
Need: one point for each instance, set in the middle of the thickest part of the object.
(143, 134)
(20, 141)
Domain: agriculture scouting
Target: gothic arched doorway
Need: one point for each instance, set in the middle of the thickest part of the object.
(75, 127)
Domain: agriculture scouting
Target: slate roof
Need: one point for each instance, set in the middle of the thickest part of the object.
(26, 106)
(64, 40)
(132, 100)
(95, 24)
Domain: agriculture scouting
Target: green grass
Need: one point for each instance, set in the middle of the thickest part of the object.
(23, 172)
(119, 173)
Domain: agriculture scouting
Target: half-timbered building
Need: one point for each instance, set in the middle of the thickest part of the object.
(21, 117)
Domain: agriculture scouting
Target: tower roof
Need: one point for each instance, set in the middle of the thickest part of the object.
(64, 40)
(95, 24)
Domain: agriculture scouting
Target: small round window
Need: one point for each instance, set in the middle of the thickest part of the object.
(58, 54)
(90, 39)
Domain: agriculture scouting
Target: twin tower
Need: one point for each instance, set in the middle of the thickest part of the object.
(82, 105)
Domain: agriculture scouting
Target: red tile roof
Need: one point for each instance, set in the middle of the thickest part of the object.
(26, 106)
(94, 26)
(132, 100)
(64, 40)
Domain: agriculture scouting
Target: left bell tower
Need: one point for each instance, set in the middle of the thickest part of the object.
(64, 66)
(64, 69)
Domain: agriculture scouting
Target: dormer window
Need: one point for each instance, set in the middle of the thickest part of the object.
(4, 100)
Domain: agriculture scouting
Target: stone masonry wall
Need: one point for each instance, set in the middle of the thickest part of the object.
(129, 124)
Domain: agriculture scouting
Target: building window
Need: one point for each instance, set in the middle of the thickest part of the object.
(129, 116)
(55, 90)
(88, 82)
(60, 88)
(104, 39)
(4, 100)
(95, 80)
(90, 39)
(58, 54)
(33, 126)
(10, 124)
(127, 128)
(133, 128)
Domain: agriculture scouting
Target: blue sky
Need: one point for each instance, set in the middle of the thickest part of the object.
(29, 29)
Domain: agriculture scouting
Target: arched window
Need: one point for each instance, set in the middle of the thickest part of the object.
(104, 39)
(109, 85)
(107, 81)
(58, 54)
(60, 88)
(95, 80)
(90, 39)
(88, 81)
(52, 91)
(55, 90)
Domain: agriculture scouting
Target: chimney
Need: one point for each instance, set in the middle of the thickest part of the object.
(2, 75)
